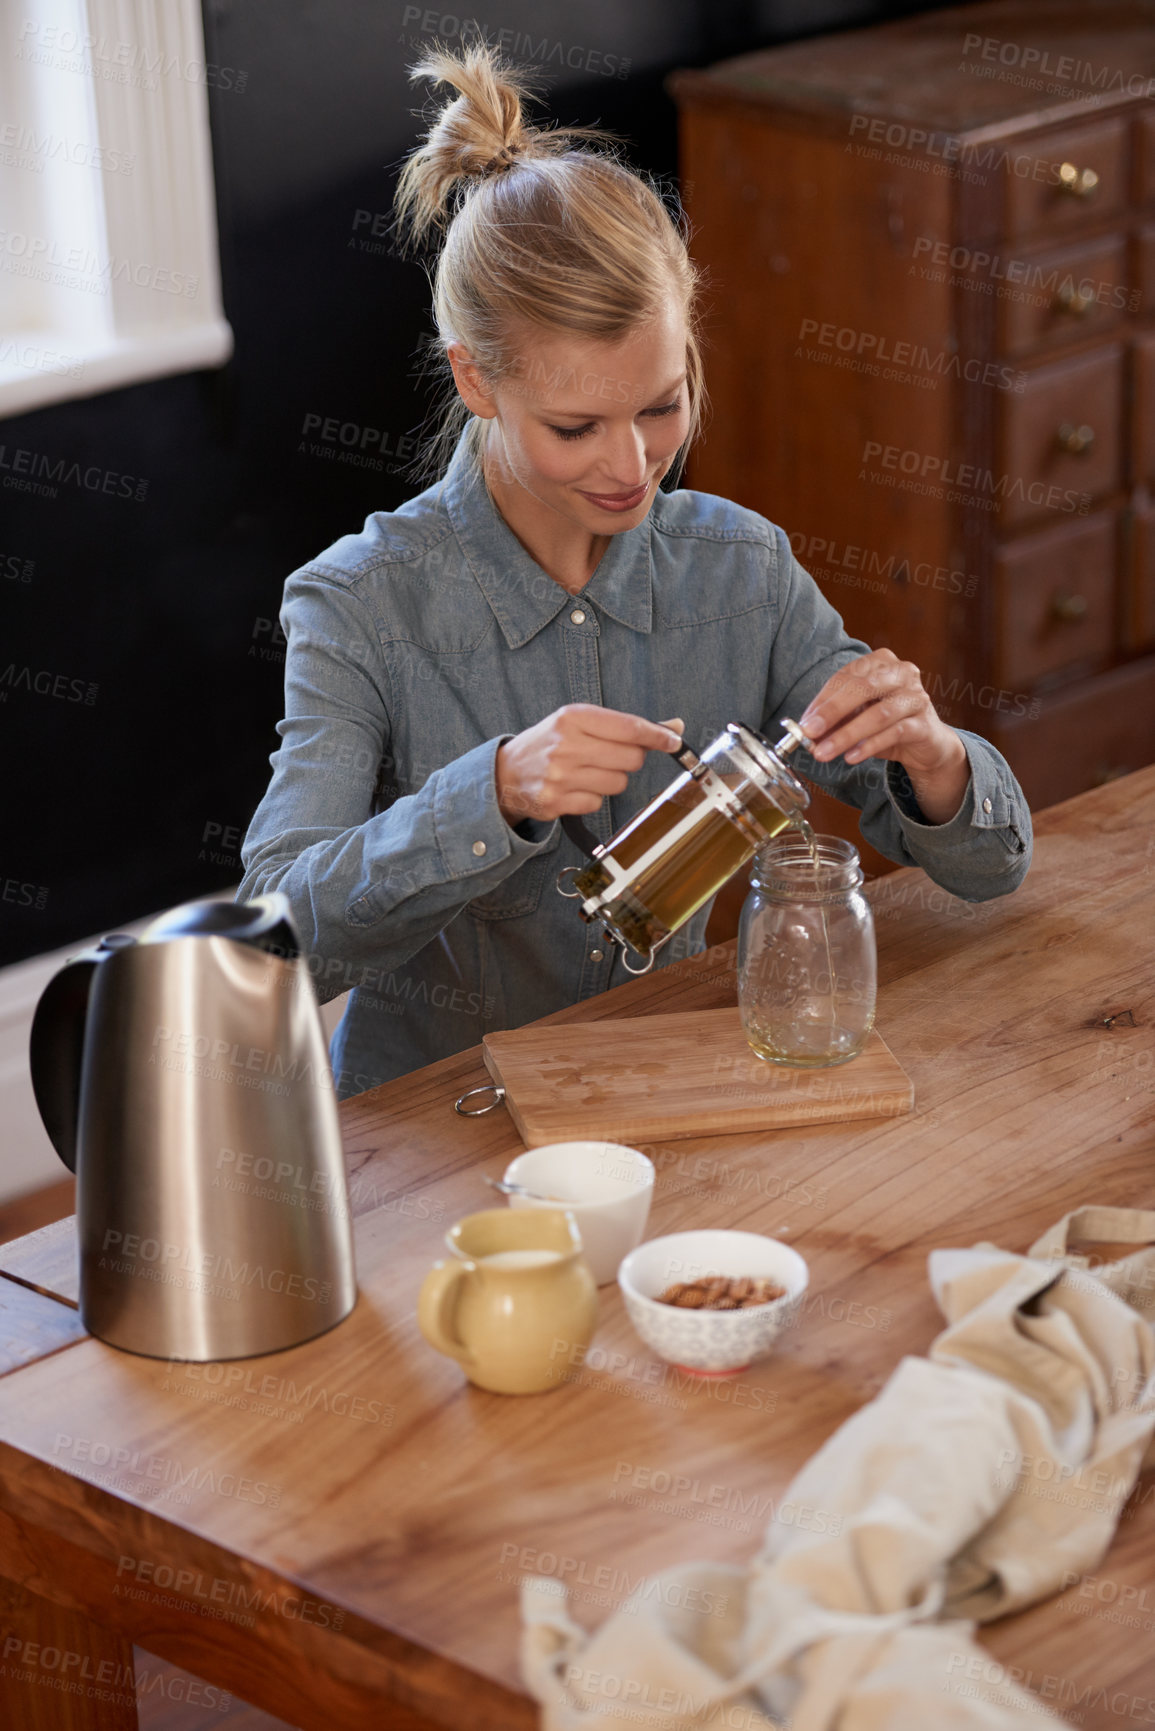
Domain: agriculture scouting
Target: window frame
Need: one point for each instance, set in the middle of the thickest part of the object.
(114, 92)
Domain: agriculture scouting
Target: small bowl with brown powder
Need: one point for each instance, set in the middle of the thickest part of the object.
(712, 1301)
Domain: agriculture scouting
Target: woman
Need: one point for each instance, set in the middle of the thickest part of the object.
(498, 652)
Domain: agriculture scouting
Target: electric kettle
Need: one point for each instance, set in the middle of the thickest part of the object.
(184, 1077)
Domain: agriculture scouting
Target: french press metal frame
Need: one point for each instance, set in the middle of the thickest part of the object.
(717, 793)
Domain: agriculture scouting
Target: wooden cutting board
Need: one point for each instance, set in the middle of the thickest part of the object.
(687, 1074)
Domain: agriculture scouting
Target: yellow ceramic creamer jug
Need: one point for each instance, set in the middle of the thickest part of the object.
(515, 1303)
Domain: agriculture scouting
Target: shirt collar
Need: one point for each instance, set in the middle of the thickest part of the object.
(523, 597)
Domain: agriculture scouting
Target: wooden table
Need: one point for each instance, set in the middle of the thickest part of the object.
(336, 1531)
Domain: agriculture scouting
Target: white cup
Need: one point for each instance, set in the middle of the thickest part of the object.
(606, 1187)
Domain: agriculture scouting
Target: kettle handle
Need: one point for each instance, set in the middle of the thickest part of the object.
(56, 1045)
(581, 834)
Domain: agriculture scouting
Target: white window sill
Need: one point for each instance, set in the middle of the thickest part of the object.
(61, 370)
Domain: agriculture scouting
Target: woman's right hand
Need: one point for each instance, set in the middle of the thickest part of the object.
(571, 760)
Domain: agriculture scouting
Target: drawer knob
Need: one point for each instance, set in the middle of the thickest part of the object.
(1079, 183)
(1072, 300)
(1069, 609)
(1074, 439)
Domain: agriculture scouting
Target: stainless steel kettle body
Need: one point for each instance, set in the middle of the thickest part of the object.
(185, 1079)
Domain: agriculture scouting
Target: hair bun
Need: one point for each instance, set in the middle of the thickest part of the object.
(505, 158)
(479, 132)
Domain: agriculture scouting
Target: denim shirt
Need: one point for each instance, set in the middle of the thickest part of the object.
(418, 646)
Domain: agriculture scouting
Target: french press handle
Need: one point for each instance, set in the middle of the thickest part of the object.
(583, 836)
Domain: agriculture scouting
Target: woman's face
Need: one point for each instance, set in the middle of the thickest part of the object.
(587, 427)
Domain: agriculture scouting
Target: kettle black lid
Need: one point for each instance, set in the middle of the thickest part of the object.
(266, 922)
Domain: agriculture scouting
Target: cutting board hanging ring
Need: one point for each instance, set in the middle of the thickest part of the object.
(493, 1088)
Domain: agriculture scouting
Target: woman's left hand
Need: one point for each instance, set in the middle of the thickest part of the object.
(876, 707)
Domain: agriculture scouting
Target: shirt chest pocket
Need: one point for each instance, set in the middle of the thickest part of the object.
(520, 893)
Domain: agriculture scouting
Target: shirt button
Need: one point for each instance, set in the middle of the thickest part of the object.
(577, 617)
(479, 848)
(595, 955)
(987, 807)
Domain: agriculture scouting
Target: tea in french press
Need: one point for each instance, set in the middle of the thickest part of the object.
(667, 862)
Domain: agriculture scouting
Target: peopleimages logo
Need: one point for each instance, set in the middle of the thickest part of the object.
(156, 1258)
(1047, 281)
(518, 44)
(226, 1595)
(33, 359)
(942, 477)
(1033, 66)
(617, 1584)
(45, 683)
(911, 362)
(708, 1497)
(849, 563)
(24, 147)
(238, 1385)
(116, 61)
(73, 1673)
(79, 267)
(36, 472)
(165, 1470)
(232, 1060)
(24, 895)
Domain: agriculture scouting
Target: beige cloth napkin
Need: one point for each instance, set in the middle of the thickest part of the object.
(977, 1481)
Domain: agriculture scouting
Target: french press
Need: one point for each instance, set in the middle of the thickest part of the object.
(668, 861)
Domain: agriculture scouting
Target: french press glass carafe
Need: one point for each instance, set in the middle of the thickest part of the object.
(668, 861)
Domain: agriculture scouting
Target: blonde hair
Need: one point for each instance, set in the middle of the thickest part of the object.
(539, 230)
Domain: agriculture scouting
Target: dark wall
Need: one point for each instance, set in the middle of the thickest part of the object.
(130, 775)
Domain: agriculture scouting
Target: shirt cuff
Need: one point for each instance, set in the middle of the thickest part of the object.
(472, 834)
(988, 802)
(536, 828)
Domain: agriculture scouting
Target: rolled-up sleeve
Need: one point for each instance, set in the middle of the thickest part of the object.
(368, 888)
(984, 850)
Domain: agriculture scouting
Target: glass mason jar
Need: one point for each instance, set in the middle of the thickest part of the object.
(807, 965)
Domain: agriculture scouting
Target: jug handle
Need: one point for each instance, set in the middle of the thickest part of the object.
(438, 1300)
(583, 837)
(56, 1045)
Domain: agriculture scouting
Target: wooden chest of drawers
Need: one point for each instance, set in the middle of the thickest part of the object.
(929, 251)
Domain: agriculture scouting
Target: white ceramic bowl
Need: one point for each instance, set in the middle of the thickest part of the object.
(606, 1187)
(710, 1342)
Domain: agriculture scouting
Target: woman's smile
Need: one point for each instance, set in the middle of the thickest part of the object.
(618, 501)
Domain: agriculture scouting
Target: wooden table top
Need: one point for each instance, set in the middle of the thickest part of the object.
(350, 1518)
